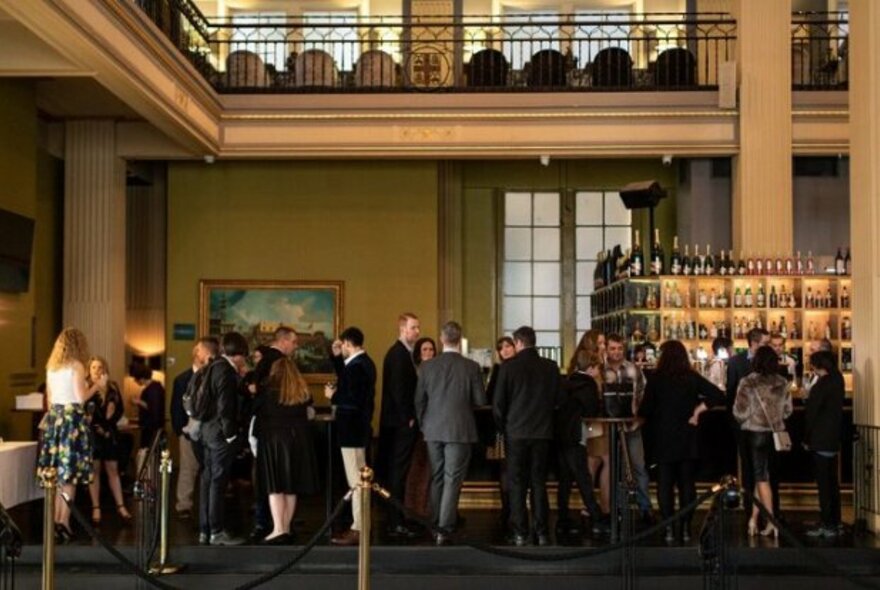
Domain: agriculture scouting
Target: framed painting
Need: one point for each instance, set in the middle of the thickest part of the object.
(257, 308)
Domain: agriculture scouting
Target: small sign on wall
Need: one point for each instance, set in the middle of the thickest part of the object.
(184, 332)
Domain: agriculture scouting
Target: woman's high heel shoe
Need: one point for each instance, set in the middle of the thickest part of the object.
(124, 514)
(96, 515)
(770, 531)
(753, 527)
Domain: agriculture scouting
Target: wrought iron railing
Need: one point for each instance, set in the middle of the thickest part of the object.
(819, 42)
(532, 53)
(866, 472)
(10, 550)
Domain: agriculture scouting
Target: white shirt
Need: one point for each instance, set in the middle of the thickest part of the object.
(352, 357)
(62, 386)
(408, 346)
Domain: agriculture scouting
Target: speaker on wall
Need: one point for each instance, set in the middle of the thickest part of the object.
(641, 195)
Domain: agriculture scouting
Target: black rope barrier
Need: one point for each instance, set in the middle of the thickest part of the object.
(818, 561)
(559, 556)
(157, 583)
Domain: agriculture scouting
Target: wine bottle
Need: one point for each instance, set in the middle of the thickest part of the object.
(783, 329)
(741, 269)
(699, 261)
(686, 266)
(811, 264)
(675, 258)
(722, 263)
(839, 264)
(709, 265)
(637, 262)
(844, 298)
(774, 298)
(731, 265)
(657, 267)
(748, 300)
(598, 281)
(847, 263)
(761, 297)
(737, 298)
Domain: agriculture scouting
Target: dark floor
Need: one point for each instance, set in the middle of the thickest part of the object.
(482, 525)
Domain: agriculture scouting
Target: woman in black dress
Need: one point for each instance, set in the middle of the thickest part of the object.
(104, 409)
(286, 461)
(675, 396)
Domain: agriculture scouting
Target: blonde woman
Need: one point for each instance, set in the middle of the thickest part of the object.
(286, 461)
(104, 409)
(66, 444)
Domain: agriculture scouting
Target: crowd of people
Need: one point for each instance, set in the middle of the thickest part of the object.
(432, 417)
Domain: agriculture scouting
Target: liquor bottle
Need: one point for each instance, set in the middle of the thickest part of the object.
(702, 300)
(846, 359)
(799, 264)
(709, 264)
(829, 300)
(789, 265)
(657, 266)
(768, 265)
(844, 298)
(723, 301)
(651, 301)
(667, 295)
(795, 333)
(608, 268)
(847, 263)
(780, 266)
(761, 297)
(811, 264)
(748, 300)
(811, 331)
(828, 330)
(792, 300)
(783, 329)
(846, 329)
(704, 333)
(759, 265)
(783, 297)
(737, 298)
(675, 258)
(773, 327)
(737, 327)
(809, 300)
(839, 264)
(774, 298)
(637, 261)
(713, 298)
(698, 261)
(598, 280)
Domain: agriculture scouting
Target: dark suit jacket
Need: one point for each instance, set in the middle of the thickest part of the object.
(178, 414)
(223, 387)
(580, 400)
(823, 414)
(527, 391)
(449, 387)
(354, 400)
(667, 406)
(738, 367)
(398, 387)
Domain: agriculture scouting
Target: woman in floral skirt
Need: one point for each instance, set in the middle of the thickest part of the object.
(66, 444)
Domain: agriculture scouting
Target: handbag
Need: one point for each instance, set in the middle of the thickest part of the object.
(781, 438)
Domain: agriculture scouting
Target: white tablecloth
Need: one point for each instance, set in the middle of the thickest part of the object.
(18, 484)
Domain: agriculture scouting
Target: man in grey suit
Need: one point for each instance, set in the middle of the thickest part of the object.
(449, 387)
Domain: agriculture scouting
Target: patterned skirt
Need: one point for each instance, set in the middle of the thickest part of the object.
(66, 445)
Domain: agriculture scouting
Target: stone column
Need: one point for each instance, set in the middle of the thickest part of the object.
(864, 117)
(94, 239)
(762, 183)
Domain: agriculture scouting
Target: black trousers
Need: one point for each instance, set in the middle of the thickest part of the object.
(671, 475)
(216, 467)
(573, 468)
(825, 470)
(527, 465)
(396, 447)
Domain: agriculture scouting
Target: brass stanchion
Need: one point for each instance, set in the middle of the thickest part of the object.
(48, 476)
(162, 567)
(365, 490)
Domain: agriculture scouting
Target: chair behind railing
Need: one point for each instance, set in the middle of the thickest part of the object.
(10, 549)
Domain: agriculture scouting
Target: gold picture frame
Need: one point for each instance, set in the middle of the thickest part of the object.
(255, 308)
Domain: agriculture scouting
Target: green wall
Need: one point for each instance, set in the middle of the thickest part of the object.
(33, 187)
(484, 181)
(370, 224)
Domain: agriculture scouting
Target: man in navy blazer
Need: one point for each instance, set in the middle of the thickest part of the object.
(449, 388)
(353, 398)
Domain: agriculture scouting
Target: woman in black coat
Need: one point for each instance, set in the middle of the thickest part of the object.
(675, 396)
(823, 415)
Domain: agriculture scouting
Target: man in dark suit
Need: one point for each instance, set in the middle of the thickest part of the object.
(188, 467)
(220, 439)
(284, 343)
(449, 388)
(397, 424)
(528, 389)
(353, 398)
(738, 367)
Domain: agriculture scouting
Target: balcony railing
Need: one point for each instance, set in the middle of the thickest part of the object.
(529, 53)
(819, 43)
